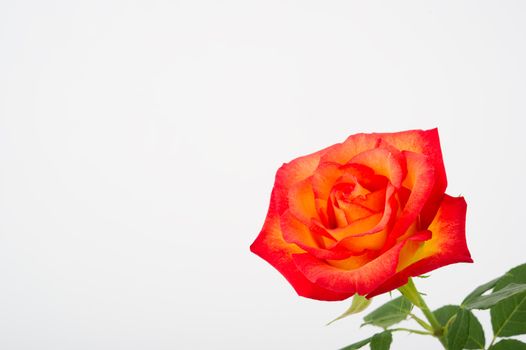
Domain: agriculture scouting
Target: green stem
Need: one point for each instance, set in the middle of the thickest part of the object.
(421, 322)
(416, 331)
(411, 293)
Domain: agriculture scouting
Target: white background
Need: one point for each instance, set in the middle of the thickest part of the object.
(139, 142)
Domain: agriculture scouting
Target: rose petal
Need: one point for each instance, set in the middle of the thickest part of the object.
(355, 211)
(291, 173)
(447, 246)
(362, 280)
(340, 217)
(426, 142)
(360, 243)
(383, 162)
(364, 175)
(342, 153)
(270, 246)
(374, 201)
(420, 180)
(329, 176)
(361, 227)
(324, 179)
(301, 201)
(310, 239)
(354, 262)
(358, 227)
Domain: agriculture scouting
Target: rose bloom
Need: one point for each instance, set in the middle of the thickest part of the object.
(363, 216)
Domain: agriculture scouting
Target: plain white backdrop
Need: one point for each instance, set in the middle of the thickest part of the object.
(139, 142)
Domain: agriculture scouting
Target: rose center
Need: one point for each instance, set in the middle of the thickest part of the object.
(343, 207)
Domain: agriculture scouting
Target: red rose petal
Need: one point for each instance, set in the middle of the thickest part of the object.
(383, 162)
(420, 180)
(270, 246)
(447, 246)
(362, 280)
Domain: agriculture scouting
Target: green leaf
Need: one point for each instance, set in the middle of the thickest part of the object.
(359, 303)
(509, 344)
(476, 338)
(477, 292)
(458, 330)
(358, 345)
(486, 301)
(381, 341)
(508, 317)
(445, 313)
(390, 313)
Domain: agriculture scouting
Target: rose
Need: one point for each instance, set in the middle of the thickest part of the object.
(363, 216)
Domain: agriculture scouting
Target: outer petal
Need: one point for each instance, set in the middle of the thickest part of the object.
(342, 153)
(425, 142)
(447, 246)
(362, 280)
(420, 179)
(291, 173)
(270, 246)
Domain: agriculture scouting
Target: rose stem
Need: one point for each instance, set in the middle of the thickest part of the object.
(411, 293)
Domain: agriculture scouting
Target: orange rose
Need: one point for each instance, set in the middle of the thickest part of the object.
(363, 216)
